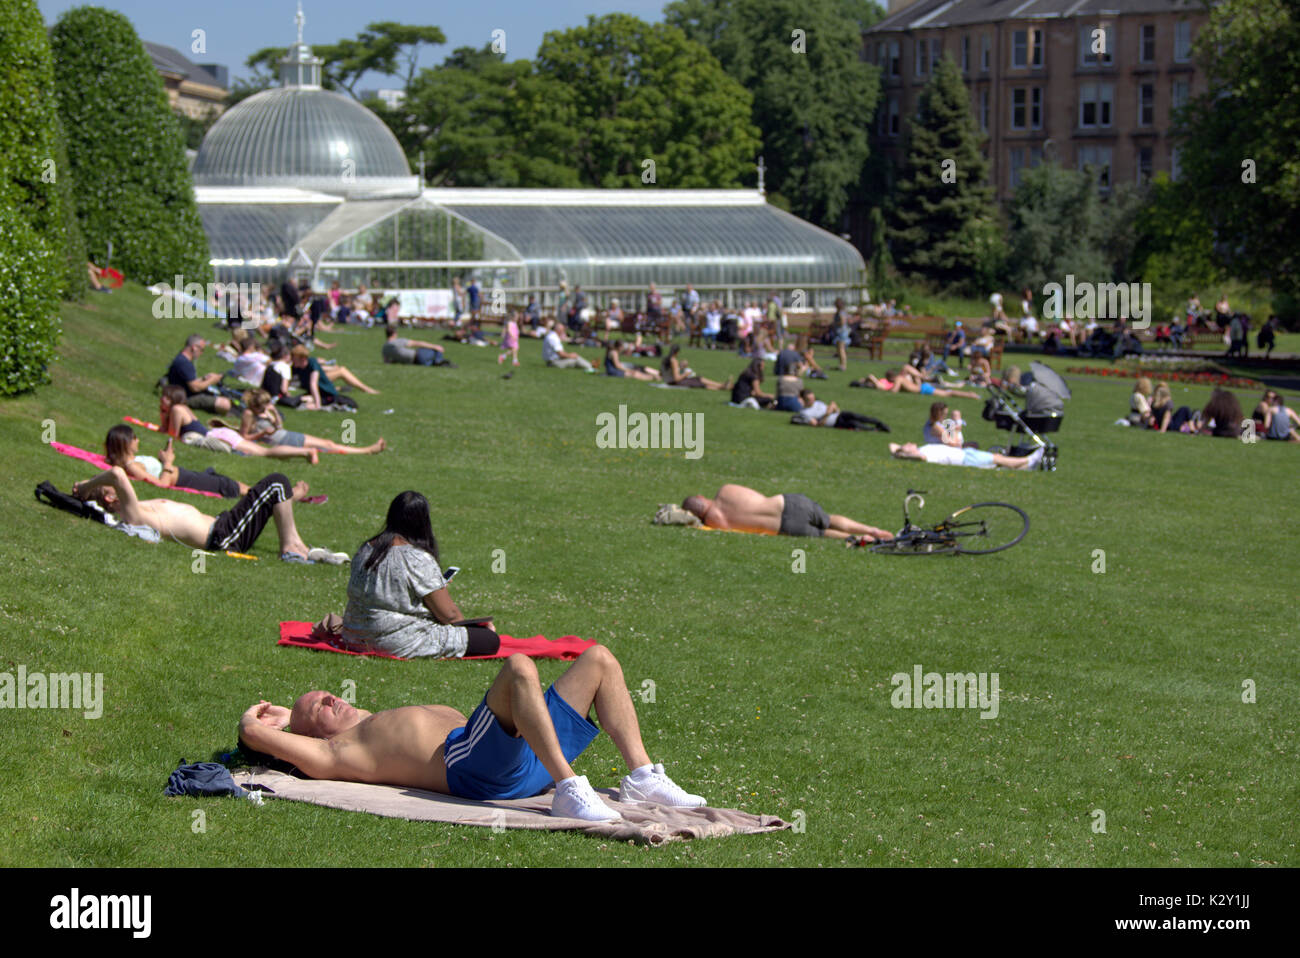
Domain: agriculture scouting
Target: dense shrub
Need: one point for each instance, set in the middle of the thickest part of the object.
(34, 176)
(29, 303)
(132, 183)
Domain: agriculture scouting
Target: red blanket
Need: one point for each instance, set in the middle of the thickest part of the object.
(566, 647)
(95, 459)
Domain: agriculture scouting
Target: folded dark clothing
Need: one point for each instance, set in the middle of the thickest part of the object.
(202, 779)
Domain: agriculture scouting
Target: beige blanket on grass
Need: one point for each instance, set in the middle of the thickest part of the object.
(644, 824)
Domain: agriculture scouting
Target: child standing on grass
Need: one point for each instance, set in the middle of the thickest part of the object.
(510, 340)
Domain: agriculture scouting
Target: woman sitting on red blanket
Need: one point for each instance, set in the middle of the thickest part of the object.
(397, 597)
(120, 448)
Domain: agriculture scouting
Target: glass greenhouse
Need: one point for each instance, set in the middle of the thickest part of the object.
(299, 180)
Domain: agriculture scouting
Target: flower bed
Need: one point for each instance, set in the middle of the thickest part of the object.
(1203, 378)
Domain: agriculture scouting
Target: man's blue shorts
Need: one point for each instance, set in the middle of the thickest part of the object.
(484, 762)
(927, 389)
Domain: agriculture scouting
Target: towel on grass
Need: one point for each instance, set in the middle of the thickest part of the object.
(566, 647)
(98, 461)
(644, 824)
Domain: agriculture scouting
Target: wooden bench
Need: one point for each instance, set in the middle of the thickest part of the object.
(872, 339)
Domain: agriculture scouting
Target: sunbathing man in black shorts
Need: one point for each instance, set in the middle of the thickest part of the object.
(745, 510)
(235, 530)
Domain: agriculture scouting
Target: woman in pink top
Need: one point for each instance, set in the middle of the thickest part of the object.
(510, 340)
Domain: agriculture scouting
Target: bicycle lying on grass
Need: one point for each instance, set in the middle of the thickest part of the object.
(979, 529)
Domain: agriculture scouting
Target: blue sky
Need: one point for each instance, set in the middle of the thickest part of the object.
(234, 29)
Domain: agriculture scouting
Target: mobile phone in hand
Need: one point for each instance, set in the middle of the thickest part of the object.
(449, 573)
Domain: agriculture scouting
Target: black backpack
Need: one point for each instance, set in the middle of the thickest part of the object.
(46, 492)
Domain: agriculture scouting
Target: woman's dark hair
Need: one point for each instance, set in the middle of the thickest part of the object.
(175, 395)
(408, 517)
(1225, 410)
(117, 444)
(755, 370)
(667, 363)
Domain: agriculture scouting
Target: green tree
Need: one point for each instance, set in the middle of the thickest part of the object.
(194, 129)
(813, 96)
(480, 121)
(634, 92)
(1173, 250)
(34, 176)
(1056, 228)
(132, 182)
(30, 273)
(942, 218)
(1239, 156)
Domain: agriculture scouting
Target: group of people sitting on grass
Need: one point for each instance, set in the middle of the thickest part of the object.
(1152, 407)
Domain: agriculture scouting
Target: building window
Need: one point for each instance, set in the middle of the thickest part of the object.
(936, 52)
(1095, 45)
(1020, 158)
(895, 59)
(965, 54)
(1181, 90)
(1144, 165)
(893, 116)
(920, 56)
(1146, 104)
(1182, 41)
(984, 110)
(1147, 46)
(1095, 101)
(1027, 48)
(1097, 157)
(1027, 108)
(986, 48)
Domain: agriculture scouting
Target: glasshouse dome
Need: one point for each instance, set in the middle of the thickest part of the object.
(305, 137)
(302, 136)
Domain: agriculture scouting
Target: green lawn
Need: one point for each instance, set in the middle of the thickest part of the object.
(1120, 691)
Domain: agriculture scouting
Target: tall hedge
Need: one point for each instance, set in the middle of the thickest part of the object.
(29, 303)
(132, 182)
(34, 176)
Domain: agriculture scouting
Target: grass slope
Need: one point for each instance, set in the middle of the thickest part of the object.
(1120, 691)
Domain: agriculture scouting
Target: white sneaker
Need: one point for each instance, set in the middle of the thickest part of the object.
(575, 798)
(324, 555)
(1036, 457)
(657, 788)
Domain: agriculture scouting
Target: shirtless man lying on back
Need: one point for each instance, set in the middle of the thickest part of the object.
(745, 510)
(518, 741)
(235, 530)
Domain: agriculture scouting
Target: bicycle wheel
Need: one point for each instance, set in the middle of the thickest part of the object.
(922, 544)
(986, 527)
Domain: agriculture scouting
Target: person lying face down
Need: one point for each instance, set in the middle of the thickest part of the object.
(792, 514)
(515, 745)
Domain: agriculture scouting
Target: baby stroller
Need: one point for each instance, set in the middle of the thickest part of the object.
(1045, 397)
